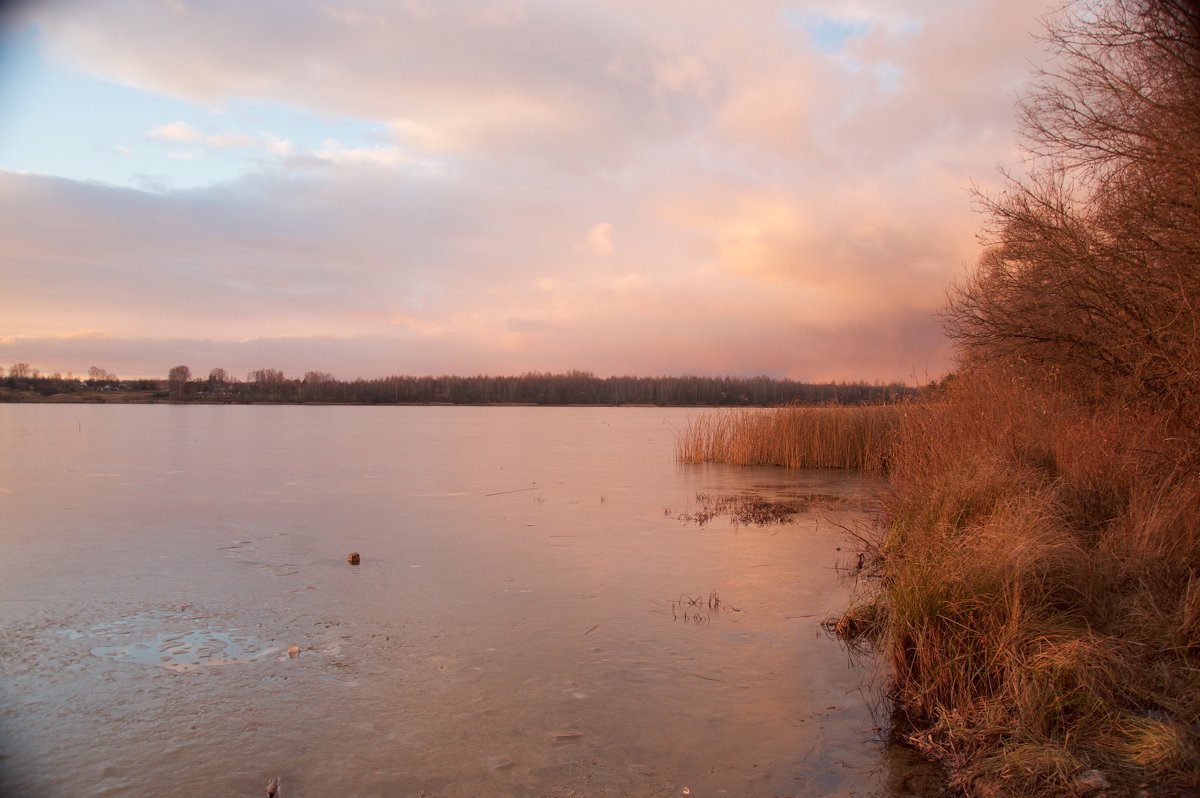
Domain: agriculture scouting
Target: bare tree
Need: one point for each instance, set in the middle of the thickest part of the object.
(20, 371)
(317, 377)
(316, 386)
(266, 377)
(177, 381)
(1093, 265)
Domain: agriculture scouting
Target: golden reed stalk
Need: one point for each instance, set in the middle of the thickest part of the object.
(793, 437)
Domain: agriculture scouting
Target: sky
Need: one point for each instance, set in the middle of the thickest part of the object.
(647, 187)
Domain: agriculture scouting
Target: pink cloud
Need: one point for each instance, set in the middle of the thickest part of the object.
(780, 208)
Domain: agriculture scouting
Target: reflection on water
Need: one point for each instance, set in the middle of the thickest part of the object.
(531, 617)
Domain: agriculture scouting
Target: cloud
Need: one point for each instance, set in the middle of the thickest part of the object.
(683, 74)
(394, 276)
(599, 239)
(277, 145)
(224, 141)
(498, 15)
(784, 205)
(176, 132)
(577, 86)
(335, 152)
(179, 132)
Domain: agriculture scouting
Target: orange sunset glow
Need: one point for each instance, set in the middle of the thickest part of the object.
(778, 188)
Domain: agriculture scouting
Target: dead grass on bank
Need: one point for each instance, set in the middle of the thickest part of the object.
(1040, 598)
(793, 437)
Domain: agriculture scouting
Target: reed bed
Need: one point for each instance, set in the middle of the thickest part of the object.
(855, 437)
(1040, 591)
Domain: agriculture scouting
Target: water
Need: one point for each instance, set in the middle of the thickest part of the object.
(515, 626)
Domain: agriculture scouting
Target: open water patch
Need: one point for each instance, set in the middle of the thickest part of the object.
(178, 641)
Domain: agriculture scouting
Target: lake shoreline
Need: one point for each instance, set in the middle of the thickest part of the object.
(8, 396)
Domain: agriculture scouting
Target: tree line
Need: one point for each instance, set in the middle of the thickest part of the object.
(535, 388)
(23, 380)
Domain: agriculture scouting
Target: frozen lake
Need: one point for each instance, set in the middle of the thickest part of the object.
(515, 626)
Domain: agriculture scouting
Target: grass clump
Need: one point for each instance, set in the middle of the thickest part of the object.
(793, 436)
(750, 509)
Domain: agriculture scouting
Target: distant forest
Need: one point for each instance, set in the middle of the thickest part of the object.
(22, 383)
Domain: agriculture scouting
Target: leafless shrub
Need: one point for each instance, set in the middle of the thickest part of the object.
(1092, 269)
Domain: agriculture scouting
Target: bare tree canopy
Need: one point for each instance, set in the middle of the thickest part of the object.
(1093, 268)
(177, 380)
(266, 377)
(97, 374)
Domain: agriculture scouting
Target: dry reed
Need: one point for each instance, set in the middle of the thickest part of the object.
(1040, 598)
(793, 437)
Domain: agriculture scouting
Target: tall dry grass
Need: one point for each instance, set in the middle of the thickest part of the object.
(1040, 599)
(793, 437)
